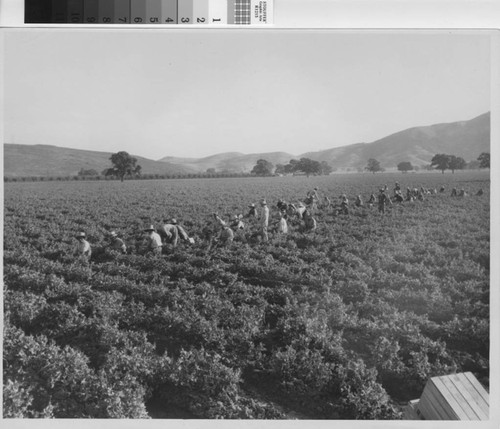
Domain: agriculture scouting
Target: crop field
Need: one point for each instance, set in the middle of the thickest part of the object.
(345, 322)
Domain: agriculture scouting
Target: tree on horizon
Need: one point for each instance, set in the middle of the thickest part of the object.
(124, 164)
(373, 166)
(263, 168)
(484, 160)
(456, 163)
(441, 162)
(405, 166)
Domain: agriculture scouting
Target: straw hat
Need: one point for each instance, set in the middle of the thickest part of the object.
(80, 235)
(151, 228)
(113, 234)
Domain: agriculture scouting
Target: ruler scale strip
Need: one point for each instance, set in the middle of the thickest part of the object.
(197, 12)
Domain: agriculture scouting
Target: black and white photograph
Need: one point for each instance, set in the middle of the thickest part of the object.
(248, 224)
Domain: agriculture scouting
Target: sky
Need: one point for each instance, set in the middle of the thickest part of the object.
(157, 93)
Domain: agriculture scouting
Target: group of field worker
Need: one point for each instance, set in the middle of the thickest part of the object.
(221, 232)
(171, 231)
(153, 242)
(83, 247)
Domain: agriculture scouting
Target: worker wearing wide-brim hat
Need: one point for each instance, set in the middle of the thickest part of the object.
(83, 246)
(116, 243)
(237, 223)
(152, 243)
(264, 219)
(282, 205)
(172, 231)
(252, 213)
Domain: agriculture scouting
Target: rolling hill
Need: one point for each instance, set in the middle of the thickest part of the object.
(45, 160)
(417, 145)
(233, 162)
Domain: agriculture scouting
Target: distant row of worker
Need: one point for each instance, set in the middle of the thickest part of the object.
(221, 232)
(153, 242)
(217, 231)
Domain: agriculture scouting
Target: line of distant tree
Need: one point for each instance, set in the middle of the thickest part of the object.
(149, 176)
(442, 161)
(304, 166)
(439, 162)
(124, 168)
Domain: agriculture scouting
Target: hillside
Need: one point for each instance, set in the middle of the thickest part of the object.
(45, 160)
(417, 145)
(234, 162)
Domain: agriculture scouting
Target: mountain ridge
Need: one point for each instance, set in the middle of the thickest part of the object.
(49, 160)
(416, 144)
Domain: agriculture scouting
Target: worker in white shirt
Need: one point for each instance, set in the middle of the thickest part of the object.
(264, 220)
(282, 224)
(152, 242)
(238, 226)
(83, 246)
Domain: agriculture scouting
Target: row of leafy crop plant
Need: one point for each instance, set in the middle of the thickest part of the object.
(80, 342)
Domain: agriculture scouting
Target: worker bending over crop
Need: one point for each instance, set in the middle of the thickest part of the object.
(172, 231)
